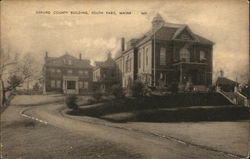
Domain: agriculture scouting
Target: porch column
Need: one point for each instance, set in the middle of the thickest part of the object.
(205, 76)
(64, 86)
(77, 87)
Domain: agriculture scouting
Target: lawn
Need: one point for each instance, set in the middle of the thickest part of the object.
(170, 108)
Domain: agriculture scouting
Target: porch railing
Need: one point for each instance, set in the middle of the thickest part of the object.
(234, 97)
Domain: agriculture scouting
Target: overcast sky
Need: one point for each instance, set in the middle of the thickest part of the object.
(224, 22)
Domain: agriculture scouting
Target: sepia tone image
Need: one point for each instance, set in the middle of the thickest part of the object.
(164, 79)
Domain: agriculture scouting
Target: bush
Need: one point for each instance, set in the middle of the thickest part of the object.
(117, 91)
(137, 89)
(71, 102)
(174, 88)
(97, 95)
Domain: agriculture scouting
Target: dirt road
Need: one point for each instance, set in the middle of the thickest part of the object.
(147, 145)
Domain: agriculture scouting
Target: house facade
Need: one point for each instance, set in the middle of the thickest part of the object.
(67, 75)
(104, 74)
(168, 53)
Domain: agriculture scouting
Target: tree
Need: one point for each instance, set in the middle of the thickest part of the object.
(117, 91)
(6, 69)
(36, 87)
(137, 89)
(14, 72)
(71, 102)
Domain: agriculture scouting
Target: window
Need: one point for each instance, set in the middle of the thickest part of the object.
(146, 56)
(86, 85)
(202, 55)
(58, 71)
(130, 64)
(163, 56)
(143, 59)
(139, 59)
(70, 62)
(80, 72)
(184, 55)
(127, 64)
(69, 71)
(58, 84)
(80, 84)
(53, 84)
(86, 73)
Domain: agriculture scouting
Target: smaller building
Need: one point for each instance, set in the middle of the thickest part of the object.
(226, 84)
(67, 74)
(104, 74)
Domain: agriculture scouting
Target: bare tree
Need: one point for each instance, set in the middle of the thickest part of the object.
(6, 63)
(15, 72)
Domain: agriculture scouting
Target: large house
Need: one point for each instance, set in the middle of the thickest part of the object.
(67, 75)
(168, 53)
(104, 73)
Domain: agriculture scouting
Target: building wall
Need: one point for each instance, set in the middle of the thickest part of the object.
(96, 74)
(144, 62)
(119, 68)
(129, 68)
(54, 78)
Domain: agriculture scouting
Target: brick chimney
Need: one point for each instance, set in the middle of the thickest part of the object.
(123, 44)
(46, 54)
(80, 56)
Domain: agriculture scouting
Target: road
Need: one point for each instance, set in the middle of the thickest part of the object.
(149, 146)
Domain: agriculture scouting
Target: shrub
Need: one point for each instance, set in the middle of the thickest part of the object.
(117, 91)
(97, 95)
(174, 87)
(137, 89)
(71, 102)
(91, 101)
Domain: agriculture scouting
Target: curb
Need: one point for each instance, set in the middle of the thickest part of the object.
(22, 113)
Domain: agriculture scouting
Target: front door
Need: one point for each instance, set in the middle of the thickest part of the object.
(71, 87)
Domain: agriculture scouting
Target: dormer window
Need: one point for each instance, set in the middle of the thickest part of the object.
(185, 55)
(67, 62)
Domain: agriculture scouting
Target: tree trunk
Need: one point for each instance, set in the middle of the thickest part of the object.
(3, 93)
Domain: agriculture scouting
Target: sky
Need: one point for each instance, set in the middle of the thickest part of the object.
(25, 30)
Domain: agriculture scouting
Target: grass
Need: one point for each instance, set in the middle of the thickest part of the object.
(29, 139)
(156, 109)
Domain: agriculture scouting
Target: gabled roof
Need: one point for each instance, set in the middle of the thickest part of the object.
(62, 61)
(170, 31)
(167, 31)
(109, 63)
(225, 81)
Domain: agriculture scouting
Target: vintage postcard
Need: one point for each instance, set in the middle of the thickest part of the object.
(163, 79)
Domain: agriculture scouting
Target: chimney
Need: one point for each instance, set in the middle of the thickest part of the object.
(123, 44)
(80, 56)
(46, 54)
